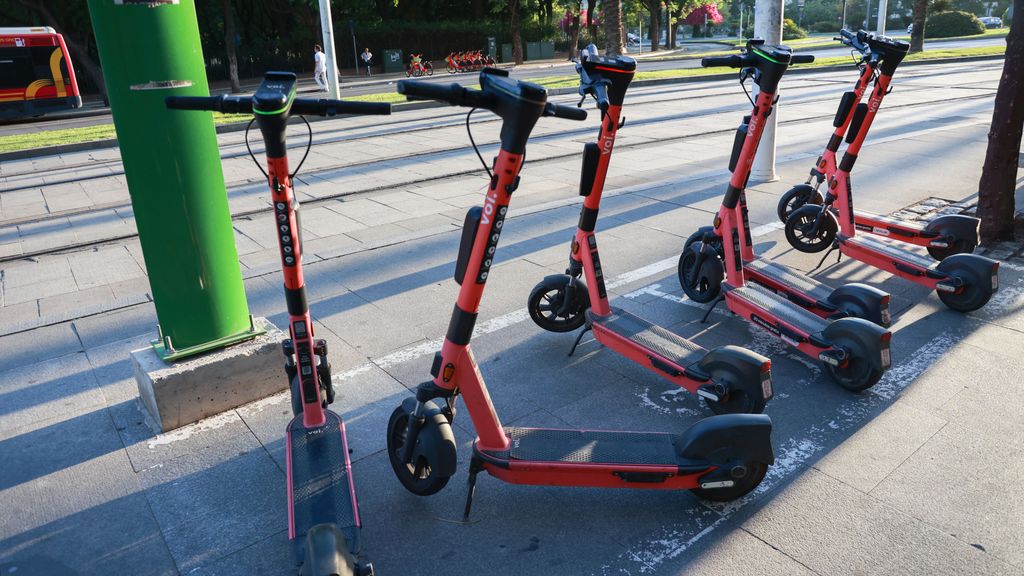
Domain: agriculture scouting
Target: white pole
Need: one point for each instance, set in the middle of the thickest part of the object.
(767, 25)
(882, 7)
(332, 64)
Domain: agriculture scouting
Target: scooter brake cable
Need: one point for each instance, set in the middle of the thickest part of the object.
(247, 147)
(473, 142)
(309, 144)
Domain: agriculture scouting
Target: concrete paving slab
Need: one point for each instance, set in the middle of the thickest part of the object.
(833, 528)
(38, 345)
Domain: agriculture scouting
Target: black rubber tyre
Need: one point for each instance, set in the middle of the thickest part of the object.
(546, 300)
(742, 487)
(801, 221)
(972, 297)
(743, 397)
(857, 375)
(429, 68)
(958, 247)
(296, 396)
(795, 198)
(416, 477)
(708, 284)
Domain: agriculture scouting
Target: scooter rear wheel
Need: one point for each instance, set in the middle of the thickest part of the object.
(755, 472)
(857, 374)
(800, 233)
(418, 477)
(549, 310)
(958, 247)
(971, 297)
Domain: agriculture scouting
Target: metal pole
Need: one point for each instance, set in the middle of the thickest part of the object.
(172, 165)
(767, 25)
(882, 8)
(867, 15)
(327, 26)
(355, 51)
(843, 26)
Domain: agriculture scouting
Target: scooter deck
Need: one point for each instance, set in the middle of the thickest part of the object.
(650, 336)
(778, 307)
(891, 248)
(591, 447)
(766, 272)
(319, 481)
(893, 225)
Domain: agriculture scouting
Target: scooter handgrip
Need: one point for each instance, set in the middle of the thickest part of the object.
(567, 112)
(325, 107)
(418, 90)
(212, 103)
(733, 61)
(801, 59)
(601, 95)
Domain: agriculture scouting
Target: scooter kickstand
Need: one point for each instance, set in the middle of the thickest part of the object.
(822, 261)
(474, 468)
(578, 338)
(704, 320)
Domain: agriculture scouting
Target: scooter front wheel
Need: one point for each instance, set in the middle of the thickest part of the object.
(702, 284)
(753, 474)
(556, 306)
(795, 198)
(420, 475)
(802, 234)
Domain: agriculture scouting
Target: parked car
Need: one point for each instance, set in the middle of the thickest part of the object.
(910, 29)
(992, 21)
(632, 39)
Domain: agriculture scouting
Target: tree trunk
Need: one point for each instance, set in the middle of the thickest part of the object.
(920, 15)
(654, 7)
(673, 24)
(517, 42)
(574, 37)
(998, 183)
(591, 5)
(613, 28)
(549, 10)
(229, 47)
(478, 9)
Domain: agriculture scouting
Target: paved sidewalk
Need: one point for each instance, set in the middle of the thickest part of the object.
(916, 476)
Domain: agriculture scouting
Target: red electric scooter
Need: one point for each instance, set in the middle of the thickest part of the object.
(943, 236)
(730, 379)
(714, 263)
(719, 458)
(963, 282)
(323, 516)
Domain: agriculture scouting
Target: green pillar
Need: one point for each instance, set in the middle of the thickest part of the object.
(150, 50)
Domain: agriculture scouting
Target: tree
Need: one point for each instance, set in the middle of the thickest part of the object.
(570, 24)
(229, 47)
(613, 28)
(999, 174)
(917, 35)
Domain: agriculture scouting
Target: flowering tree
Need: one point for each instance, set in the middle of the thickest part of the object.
(706, 13)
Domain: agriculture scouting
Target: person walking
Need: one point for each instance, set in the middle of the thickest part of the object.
(320, 67)
(367, 56)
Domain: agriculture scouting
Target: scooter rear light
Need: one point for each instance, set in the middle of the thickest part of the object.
(886, 351)
(995, 277)
(766, 380)
(886, 316)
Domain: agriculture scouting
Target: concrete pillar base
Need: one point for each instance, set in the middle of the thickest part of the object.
(759, 177)
(195, 388)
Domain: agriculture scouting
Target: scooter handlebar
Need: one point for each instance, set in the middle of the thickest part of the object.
(326, 107)
(454, 94)
(801, 59)
(732, 61)
(601, 95)
(566, 112)
(223, 103)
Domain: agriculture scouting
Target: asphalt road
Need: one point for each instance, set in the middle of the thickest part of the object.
(385, 83)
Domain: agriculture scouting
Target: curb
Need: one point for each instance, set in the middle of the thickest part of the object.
(401, 106)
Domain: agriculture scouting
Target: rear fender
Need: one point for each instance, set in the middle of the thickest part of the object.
(752, 370)
(327, 552)
(719, 440)
(861, 338)
(956, 227)
(699, 235)
(979, 269)
(439, 447)
(862, 301)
